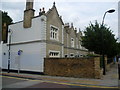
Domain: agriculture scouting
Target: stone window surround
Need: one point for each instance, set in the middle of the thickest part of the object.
(77, 43)
(80, 44)
(66, 55)
(57, 33)
(71, 54)
(72, 42)
(54, 53)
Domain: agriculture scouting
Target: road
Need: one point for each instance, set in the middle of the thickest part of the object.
(14, 82)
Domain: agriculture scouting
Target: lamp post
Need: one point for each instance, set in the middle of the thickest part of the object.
(10, 33)
(109, 11)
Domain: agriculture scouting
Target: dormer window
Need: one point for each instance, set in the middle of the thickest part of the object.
(54, 33)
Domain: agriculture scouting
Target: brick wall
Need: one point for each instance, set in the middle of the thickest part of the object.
(73, 67)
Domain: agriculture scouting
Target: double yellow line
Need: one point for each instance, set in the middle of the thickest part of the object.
(92, 86)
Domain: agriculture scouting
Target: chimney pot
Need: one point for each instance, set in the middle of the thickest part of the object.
(71, 25)
(43, 10)
(40, 10)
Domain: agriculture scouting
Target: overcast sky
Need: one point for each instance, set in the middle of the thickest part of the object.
(80, 12)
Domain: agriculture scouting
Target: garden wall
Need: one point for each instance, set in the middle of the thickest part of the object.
(73, 67)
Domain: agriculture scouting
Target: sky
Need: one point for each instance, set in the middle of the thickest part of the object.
(78, 12)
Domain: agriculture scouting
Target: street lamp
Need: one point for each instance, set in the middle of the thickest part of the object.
(109, 11)
(10, 33)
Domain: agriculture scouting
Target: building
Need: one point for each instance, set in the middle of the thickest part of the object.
(39, 37)
(119, 21)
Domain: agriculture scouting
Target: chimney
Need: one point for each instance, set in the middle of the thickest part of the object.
(75, 30)
(28, 14)
(4, 33)
(66, 25)
(72, 25)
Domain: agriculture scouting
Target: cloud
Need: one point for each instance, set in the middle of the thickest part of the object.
(13, 5)
(76, 11)
(62, 0)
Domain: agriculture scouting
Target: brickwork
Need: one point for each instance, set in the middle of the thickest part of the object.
(73, 67)
(28, 14)
(97, 72)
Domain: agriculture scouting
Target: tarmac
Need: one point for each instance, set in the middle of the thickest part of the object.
(110, 80)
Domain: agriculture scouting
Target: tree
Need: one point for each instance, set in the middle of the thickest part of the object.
(118, 48)
(99, 38)
(6, 20)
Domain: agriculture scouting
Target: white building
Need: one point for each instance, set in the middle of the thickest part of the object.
(119, 21)
(35, 38)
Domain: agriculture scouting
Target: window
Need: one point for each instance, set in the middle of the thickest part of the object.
(66, 56)
(76, 55)
(81, 55)
(71, 55)
(53, 32)
(80, 44)
(72, 42)
(54, 53)
(76, 43)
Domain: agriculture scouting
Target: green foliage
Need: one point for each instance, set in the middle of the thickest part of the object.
(99, 38)
(91, 55)
(6, 18)
(118, 48)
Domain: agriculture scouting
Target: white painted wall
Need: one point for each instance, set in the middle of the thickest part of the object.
(36, 32)
(119, 21)
(32, 57)
(4, 56)
(1, 55)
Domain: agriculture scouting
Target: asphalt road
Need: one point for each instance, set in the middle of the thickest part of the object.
(13, 82)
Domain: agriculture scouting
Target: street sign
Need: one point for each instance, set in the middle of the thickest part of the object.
(19, 52)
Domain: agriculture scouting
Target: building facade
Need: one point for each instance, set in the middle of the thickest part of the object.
(39, 37)
(73, 42)
(119, 21)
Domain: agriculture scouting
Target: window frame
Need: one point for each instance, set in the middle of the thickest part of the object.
(54, 52)
(80, 44)
(72, 55)
(55, 35)
(72, 43)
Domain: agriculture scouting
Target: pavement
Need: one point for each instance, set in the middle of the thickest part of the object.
(110, 80)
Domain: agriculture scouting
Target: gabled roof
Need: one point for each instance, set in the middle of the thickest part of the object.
(50, 10)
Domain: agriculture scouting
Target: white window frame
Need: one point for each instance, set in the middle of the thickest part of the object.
(66, 55)
(53, 53)
(80, 45)
(53, 32)
(72, 42)
(76, 42)
(71, 54)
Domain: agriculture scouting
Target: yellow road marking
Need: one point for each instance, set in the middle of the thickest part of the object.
(81, 85)
(62, 83)
(20, 78)
(14, 77)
